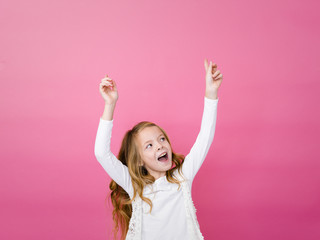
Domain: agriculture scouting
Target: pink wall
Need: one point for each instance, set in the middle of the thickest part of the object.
(261, 177)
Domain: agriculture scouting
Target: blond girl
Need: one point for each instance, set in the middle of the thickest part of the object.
(151, 184)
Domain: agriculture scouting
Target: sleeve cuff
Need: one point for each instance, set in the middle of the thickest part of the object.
(209, 100)
(106, 121)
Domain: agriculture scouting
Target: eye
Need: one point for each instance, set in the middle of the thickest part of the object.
(163, 138)
(149, 145)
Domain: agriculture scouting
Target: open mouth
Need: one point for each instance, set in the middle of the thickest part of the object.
(163, 157)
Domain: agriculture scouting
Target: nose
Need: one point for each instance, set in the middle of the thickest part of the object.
(159, 146)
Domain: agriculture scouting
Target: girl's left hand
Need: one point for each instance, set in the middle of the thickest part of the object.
(213, 78)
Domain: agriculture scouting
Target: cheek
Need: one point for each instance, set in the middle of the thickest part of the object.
(169, 147)
(148, 156)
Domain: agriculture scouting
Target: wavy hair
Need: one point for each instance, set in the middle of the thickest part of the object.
(130, 156)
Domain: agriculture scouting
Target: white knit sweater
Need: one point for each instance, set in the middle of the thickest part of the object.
(173, 216)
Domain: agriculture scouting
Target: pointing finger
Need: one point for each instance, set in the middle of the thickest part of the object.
(209, 67)
(206, 64)
(106, 78)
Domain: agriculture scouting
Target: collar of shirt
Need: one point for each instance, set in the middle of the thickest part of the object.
(161, 184)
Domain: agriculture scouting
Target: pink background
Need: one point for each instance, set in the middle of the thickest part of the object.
(261, 177)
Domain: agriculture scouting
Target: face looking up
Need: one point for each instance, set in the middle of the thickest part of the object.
(153, 145)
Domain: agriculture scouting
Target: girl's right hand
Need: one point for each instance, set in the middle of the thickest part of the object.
(108, 90)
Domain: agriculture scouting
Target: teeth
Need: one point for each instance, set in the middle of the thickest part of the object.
(162, 155)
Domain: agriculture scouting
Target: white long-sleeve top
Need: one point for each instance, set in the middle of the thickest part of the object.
(168, 217)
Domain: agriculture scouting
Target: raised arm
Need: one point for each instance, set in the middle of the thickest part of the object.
(199, 150)
(113, 166)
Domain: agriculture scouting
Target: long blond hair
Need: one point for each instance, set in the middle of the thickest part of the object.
(129, 155)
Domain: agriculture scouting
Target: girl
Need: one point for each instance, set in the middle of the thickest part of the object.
(151, 184)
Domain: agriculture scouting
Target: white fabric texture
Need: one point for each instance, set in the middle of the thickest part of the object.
(173, 214)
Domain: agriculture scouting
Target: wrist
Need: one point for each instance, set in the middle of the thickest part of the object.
(108, 111)
(110, 104)
(211, 94)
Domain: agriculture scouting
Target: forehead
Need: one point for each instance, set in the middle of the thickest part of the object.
(149, 133)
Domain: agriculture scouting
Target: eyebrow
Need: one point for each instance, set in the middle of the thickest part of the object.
(151, 140)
